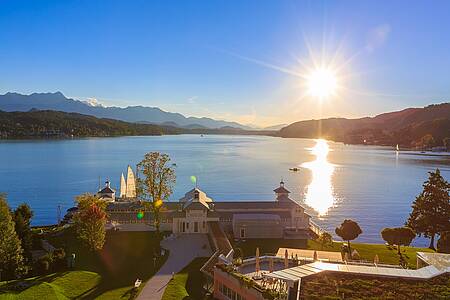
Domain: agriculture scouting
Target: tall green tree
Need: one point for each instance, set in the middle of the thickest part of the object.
(431, 210)
(90, 221)
(348, 231)
(399, 236)
(22, 218)
(11, 259)
(155, 181)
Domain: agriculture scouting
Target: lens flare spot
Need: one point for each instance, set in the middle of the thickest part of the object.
(158, 203)
(140, 215)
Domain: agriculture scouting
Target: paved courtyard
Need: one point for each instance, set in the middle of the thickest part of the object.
(182, 249)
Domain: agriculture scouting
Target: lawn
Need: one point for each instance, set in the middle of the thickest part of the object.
(66, 285)
(188, 283)
(108, 274)
(387, 255)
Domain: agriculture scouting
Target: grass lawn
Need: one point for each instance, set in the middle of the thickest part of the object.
(66, 285)
(387, 255)
(187, 284)
(108, 274)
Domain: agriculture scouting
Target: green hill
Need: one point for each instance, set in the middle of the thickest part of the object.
(60, 124)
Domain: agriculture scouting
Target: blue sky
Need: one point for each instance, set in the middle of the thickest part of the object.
(230, 60)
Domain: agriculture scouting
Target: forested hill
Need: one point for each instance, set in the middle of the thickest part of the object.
(48, 123)
(60, 124)
(413, 127)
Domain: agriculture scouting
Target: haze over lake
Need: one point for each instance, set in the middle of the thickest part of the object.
(371, 185)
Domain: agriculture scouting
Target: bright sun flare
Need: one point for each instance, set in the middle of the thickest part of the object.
(321, 83)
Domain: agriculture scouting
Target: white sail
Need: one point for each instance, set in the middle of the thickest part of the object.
(123, 187)
(131, 184)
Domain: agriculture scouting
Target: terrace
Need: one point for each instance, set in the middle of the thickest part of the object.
(282, 274)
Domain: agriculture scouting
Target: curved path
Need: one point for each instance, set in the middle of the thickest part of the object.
(183, 249)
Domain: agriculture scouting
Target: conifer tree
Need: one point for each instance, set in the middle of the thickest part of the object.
(431, 209)
(11, 259)
(22, 219)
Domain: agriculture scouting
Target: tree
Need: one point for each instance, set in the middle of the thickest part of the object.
(22, 218)
(90, 221)
(443, 244)
(427, 141)
(11, 259)
(431, 210)
(446, 142)
(325, 239)
(400, 236)
(348, 231)
(155, 181)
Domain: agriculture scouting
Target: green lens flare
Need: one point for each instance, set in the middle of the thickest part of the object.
(140, 215)
(193, 179)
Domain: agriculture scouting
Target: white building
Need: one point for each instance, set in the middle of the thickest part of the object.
(196, 212)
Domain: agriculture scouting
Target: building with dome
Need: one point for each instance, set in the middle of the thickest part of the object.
(195, 212)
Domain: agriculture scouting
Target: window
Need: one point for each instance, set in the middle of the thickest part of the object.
(242, 233)
(227, 292)
(195, 226)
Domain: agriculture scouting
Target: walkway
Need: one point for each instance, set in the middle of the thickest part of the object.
(183, 250)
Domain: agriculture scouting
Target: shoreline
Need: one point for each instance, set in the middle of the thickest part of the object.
(238, 133)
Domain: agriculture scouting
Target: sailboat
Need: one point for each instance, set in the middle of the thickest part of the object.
(397, 148)
(128, 186)
(131, 185)
(123, 187)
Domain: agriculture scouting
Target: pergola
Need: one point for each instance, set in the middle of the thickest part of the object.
(308, 255)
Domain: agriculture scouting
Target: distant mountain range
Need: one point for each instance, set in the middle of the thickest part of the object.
(407, 127)
(136, 114)
(43, 113)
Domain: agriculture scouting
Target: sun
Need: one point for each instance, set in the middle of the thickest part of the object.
(321, 83)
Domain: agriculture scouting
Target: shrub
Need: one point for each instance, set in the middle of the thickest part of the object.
(59, 259)
(43, 265)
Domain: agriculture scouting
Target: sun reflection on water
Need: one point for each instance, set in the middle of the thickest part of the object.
(319, 194)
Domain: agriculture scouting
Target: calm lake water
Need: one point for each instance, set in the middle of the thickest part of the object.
(372, 185)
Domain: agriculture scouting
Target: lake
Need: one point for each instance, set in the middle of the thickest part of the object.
(371, 185)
